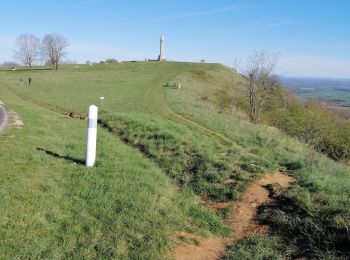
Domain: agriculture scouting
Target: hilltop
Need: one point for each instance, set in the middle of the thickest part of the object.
(167, 152)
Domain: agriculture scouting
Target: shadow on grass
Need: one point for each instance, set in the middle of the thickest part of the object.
(65, 157)
(307, 234)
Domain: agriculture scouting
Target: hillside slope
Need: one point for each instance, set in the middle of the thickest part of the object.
(153, 138)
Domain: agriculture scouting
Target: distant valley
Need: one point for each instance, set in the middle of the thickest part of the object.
(331, 91)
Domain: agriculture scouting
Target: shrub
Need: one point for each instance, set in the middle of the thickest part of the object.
(312, 124)
(222, 100)
(111, 60)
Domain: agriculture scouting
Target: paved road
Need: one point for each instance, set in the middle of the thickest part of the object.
(3, 119)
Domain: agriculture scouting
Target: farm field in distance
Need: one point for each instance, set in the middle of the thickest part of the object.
(331, 91)
(165, 156)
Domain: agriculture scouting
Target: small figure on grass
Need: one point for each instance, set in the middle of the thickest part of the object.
(29, 80)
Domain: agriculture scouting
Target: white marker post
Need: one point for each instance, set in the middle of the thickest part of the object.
(91, 136)
(101, 101)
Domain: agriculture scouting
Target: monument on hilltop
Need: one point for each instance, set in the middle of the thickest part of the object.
(161, 56)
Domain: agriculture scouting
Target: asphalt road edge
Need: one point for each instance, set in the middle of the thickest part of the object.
(3, 123)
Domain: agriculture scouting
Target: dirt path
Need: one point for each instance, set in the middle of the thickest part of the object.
(191, 122)
(202, 127)
(242, 221)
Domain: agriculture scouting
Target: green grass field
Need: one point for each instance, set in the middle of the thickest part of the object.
(159, 149)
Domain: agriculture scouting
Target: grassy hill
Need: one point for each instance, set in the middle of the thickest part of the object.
(160, 149)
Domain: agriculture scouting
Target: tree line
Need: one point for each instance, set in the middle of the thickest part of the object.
(30, 48)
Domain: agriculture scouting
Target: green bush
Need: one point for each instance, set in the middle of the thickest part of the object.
(222, 100)
(312, 124)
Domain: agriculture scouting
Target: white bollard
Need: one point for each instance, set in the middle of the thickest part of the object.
(91, 136)
(101, 101)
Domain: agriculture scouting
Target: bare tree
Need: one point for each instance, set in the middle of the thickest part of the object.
(27, 48)
(260, 81)
(236, 64)
(9, 64)
(53, 48)
(235, 91)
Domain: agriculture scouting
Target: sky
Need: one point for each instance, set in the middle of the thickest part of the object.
(311, 37)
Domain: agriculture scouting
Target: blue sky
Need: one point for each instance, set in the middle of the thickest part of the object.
(312, 37)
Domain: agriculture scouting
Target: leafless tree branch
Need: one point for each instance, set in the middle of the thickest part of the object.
(27, 48)
(54, 48)
(261, 80)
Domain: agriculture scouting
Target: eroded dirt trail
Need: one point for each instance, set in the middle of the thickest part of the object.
(242, 220)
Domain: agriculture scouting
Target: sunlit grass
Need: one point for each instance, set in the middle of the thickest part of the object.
(143, 190)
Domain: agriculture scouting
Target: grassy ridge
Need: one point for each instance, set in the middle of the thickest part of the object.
(53, 207)
(314, 217)
(131, 87)
(187, 139)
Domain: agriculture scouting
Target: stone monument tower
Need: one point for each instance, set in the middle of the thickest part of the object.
(161, 56)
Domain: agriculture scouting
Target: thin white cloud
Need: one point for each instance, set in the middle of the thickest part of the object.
(82, 52)
(260, 25)
(266, 24)
(6, 41)
(315, 66)
(342, 45)
(6, 48)
(92, 49)
(333, 45)
(202, 13)
(273, 24)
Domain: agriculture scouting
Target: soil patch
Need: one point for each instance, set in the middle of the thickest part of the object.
(242, 220)
(14, 120)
